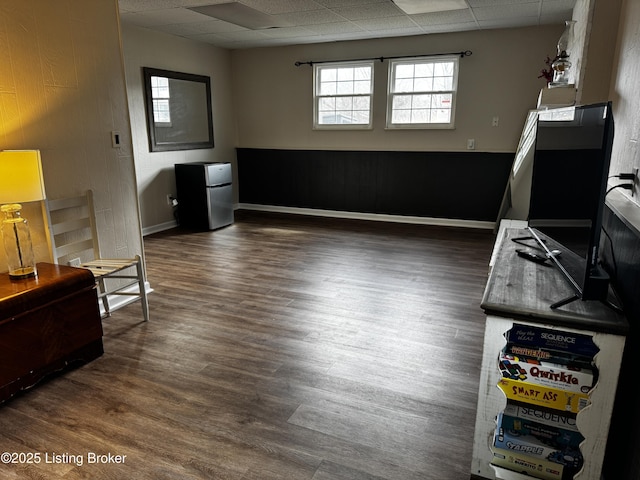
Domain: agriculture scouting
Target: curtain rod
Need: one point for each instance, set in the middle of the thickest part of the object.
(466, 53)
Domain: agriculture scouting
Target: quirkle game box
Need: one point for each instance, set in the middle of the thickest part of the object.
(546, 373)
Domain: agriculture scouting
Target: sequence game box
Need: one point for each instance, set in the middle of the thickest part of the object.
(554, 340)
(550, 418)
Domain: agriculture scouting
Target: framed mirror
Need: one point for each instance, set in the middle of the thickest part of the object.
(178, 109)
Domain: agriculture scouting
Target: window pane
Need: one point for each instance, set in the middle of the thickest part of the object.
(401, 116)
(345, 88)
(424, 84)
(440, 116)
(421, 101)
(327, 104)
(424, 70)
(344, 103)
(404, 85)
(420, 116)
(344, 94)
(442, 69)
(442, 100)
(361, 103)
(404, 71)
(442, 83)
(362, 87)
(328, 88)
(401, 101)
(433, 86)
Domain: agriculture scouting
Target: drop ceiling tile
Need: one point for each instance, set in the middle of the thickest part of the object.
(443, 18)
(274, 7)
(311, 17)
(371, 10)
(335, 28)
(506, 11)
(200, 28)
(387, 23)
(347, 3)
(142, 5)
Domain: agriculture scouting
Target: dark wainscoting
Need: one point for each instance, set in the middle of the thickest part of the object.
(455, 185)
(622, 461)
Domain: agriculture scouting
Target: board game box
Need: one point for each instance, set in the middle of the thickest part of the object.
(564, 459)
(547, 373)
(540, 395)
(556, 340)
(544, 416)
(531, 466)
(553, 437)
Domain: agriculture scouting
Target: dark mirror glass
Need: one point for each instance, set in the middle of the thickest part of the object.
(178, 110)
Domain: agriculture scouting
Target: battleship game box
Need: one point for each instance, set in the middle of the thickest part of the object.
(558, 460)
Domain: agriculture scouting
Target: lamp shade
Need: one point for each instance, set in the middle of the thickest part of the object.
(21, 176)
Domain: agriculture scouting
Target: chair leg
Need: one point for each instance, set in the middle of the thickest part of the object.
(143, 289)
(105, 300)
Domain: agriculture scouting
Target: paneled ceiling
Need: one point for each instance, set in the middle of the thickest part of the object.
(264, 23)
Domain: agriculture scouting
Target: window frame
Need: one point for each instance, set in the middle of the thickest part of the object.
(158, 100)
(391, 94)
(317, 96)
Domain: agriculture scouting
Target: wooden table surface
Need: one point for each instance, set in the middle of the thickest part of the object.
(523, 289)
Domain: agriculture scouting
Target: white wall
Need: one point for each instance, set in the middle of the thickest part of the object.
(624, 88)
(274, 105)
(155, 170)
(62, 91)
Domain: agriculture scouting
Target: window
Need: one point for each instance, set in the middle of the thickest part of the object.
(160, 94)
(422, 93)
(342, 95)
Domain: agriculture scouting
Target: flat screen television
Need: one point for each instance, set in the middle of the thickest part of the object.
(568, 187)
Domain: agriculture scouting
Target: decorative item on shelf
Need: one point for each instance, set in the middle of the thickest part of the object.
(561, 64)
(547, 73)
(20, 181)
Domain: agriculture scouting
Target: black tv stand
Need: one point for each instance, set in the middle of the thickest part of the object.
(575, 297)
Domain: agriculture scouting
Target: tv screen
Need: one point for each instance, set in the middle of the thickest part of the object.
(568, 188)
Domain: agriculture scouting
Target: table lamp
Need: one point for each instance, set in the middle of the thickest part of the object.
(20, 181)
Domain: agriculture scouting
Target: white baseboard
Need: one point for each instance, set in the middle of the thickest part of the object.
(380, 217)
(159, 228)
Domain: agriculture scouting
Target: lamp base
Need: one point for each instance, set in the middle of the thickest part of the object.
(22, 273)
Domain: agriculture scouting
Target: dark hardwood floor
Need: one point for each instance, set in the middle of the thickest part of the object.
(281, 347)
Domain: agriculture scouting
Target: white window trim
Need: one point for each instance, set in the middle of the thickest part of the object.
(422, 126)
(317, 97)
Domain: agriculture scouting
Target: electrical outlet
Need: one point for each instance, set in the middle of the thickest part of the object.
(495, 122)
(115, 139)
(74, 262)
(169, 199)
(471, 144)
(636, 181)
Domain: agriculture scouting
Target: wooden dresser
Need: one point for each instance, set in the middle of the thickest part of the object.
(46, 324)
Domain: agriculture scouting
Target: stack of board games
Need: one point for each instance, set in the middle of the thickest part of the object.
(546, 376)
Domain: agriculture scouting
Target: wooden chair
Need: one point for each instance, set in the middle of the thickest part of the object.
(74, 242)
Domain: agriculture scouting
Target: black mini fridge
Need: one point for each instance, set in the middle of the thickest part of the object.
(205, 195)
